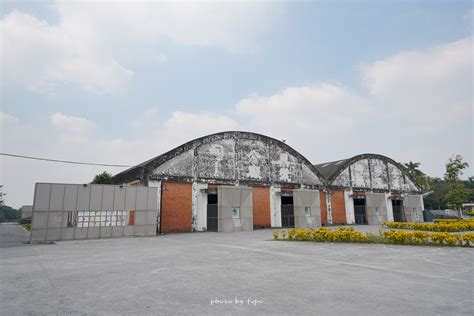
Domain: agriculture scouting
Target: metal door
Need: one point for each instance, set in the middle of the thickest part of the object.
(287, 212)
(212, 212)
(397, 206)
(360, 212)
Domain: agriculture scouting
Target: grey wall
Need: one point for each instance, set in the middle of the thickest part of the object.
(228, 198)
(376, 208)
(54, 202)
(413, 208)
(307, 198)
(26, 211)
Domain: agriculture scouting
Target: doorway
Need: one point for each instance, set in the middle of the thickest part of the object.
(397, 207)
(212, 212)
(287, 211)
(359, 211)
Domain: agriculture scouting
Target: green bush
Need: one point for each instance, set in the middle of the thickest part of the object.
(24, 220)
(456, 226)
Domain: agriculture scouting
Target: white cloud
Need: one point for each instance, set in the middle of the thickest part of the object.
(95, 45)
(428, 88)
(71, 123)
(314, 110)
(6, 118)
(43, 57)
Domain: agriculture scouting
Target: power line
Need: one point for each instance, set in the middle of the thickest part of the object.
(66, 161)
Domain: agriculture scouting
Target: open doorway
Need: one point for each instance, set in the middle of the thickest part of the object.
(212, 212)
(360, 211)
(287, 211)
(397, 207)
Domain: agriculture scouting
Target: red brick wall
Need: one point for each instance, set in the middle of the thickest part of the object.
(177, 207)
(261, 207)
(324, 210)
(338, 207)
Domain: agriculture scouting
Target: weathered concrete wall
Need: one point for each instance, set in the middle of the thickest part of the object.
(275, 206)
(303, 199)
(77, 211)
(261, 207)
(413, 208)
(349, 202)
(374, 174)
(177, 207)
(338, 208)
(239, 160)
(230, 198)
(389, 208)
(199, 201)
(376, 208)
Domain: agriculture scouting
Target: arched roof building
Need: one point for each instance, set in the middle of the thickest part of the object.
(229, 158)
(368, 172)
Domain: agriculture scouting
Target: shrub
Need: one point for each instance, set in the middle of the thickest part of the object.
(341, 234)
(439, 220)
(456, 226)
(419, 237)
(469, 213)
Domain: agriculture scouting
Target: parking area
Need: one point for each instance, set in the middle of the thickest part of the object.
(242, 272)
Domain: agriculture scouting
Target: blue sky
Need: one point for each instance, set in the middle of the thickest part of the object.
(121, 83)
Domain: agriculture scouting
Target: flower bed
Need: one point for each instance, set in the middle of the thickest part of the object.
(457, 226)
(420, 237)
(343, 234)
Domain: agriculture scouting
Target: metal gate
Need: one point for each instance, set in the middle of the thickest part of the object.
(287, 212)
(212, 212)
(397, 206)
(360, 213)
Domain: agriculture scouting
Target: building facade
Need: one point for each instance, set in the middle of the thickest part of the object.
(230, 181)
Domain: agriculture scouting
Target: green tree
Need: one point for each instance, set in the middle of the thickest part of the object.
(101, 178)
(457, 194)
(8, 214)
(454, 168)
(421, 179)
(437, 199)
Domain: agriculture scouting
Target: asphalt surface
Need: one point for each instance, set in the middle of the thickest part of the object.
(13, 235)
(233, 273)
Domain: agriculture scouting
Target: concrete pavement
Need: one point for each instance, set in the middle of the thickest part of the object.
(238, 273)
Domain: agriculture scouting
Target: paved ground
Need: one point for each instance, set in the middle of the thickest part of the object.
(12, 235)
(185, 273)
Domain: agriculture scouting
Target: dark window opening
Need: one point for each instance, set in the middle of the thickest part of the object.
(212, 212)
(397, 207)
(287, 212)
(359, 211)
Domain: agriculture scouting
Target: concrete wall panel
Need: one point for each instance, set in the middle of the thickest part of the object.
(142, 198)
(108, 198)
(70, 197)
(130, 198)
(83, 197)
(42, 195)
(57, 197)
(376, 208)
(119, 198)
(96, 198)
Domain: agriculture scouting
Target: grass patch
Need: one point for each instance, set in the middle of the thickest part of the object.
(26, 226)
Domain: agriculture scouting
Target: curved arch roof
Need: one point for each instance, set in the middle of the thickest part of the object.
(138, 172)
(331, 170)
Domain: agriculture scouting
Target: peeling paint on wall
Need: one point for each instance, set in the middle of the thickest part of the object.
(240, 159)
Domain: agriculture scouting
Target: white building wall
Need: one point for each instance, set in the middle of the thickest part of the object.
(389, 208)
(350, 216)
(199, 201)
(275, 206)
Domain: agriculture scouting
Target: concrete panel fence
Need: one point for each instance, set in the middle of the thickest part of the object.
(84, 211)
